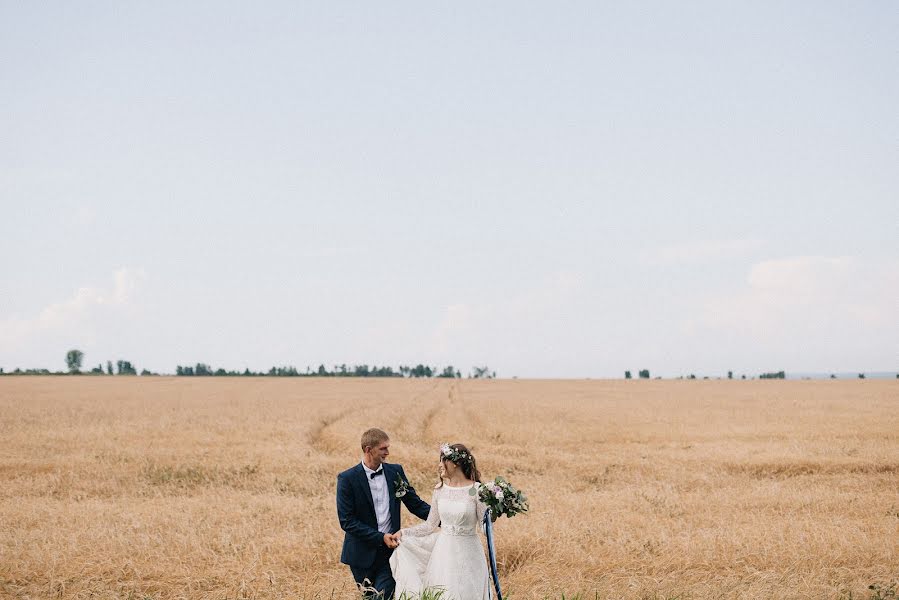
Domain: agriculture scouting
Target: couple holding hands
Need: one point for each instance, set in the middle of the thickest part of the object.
(443, 552)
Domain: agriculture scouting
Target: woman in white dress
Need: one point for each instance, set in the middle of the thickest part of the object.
(450, 558)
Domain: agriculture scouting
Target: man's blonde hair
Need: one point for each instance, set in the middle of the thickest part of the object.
(373, 437)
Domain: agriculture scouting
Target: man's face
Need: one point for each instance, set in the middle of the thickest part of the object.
(379, 453)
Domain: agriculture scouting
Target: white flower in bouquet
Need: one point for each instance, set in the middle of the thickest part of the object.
(501, 498)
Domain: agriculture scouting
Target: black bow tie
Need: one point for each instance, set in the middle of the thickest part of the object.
(376, 473)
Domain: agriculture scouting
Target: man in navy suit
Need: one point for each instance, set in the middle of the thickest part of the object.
(368, 506)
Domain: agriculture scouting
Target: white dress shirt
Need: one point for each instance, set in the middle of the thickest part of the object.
(380, 496)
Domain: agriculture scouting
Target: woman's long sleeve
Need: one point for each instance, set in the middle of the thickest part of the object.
(480, 509)
(427, 527)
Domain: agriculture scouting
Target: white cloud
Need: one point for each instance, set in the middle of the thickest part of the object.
(809, 308)
(701, 251)
(76, 315)
(802, 275)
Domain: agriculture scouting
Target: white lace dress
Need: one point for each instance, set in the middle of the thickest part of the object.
(449, 558)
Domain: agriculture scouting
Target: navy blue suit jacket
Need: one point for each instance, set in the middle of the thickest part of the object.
(356, 512)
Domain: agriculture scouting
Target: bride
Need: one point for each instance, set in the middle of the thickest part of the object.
(449, 558)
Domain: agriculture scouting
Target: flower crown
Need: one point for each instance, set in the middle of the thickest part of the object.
(451, 454)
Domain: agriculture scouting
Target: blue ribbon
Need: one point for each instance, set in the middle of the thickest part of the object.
(488, 529)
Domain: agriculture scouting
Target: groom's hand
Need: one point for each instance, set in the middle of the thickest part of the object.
(390, 540)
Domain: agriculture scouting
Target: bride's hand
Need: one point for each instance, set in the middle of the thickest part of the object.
(398, 535)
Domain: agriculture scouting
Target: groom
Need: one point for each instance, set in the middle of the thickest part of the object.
(369, 512)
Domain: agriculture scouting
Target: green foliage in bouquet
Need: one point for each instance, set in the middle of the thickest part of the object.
(501, 497)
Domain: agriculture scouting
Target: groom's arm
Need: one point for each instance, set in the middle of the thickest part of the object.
(416, 505)
(346, 513)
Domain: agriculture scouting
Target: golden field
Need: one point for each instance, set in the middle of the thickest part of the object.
(163, 488)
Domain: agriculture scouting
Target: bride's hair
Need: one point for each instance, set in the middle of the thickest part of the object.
(468, 464)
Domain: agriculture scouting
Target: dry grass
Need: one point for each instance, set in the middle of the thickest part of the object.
(170, 488)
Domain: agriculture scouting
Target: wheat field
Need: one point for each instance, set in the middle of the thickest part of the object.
(163, 488)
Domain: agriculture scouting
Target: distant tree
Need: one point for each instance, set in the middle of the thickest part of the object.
(202, 370)
(742, 376)
(730, 374)
(98, 370)
(776, 375)
(448, 372)
(832, 376)
(73, 360)
(109, 367)
(421, 370)
(692, 376)
(482, 373)
(861, 375)
(124, 367)
(627, 375)
(146, 373)
(644, 374)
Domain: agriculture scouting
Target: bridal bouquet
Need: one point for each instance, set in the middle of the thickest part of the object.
(501, 498)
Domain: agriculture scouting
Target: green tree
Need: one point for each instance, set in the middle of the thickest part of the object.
(644, 374)
(627, 375)
(421, 370)
(482, 373)
(202, 369)
(73, 360)
(730, 374)
(124, 367)
(109, 367)
(448, 372)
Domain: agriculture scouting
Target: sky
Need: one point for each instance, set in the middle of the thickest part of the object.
(565, 189)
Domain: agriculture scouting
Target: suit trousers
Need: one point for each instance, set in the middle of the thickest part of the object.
(377, 576)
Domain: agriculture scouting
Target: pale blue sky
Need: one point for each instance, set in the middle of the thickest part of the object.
(552, 189)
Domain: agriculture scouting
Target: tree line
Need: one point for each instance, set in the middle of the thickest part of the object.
(75, 360)
(342, 370)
